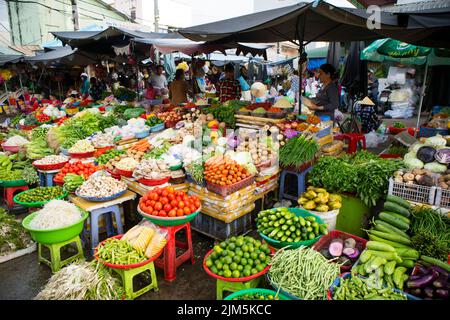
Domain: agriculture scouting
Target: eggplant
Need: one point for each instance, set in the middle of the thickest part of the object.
(440, 282)
(421, 270)
(429, 292)
(415, 277)
(423, 281)
(442, 293)
(440, 270)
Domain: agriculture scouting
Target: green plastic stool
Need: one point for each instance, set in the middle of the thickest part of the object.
(55, 254)
(231, 286)
(127, 276)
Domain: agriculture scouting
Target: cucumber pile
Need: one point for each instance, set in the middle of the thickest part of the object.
(282, 225)
(389, 253)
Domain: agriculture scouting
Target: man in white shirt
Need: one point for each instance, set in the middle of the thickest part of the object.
(159, 80)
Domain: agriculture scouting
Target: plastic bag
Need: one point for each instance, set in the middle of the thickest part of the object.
(283, 203)
(146, 237)
(373, 139)
(338, 115)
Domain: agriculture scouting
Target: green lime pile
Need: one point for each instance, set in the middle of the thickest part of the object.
(238, 257)
(257, 296)
(108, 155)
(282, 225)
(41, 194)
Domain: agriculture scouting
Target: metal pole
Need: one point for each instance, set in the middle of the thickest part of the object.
(156, 13)
(76, 24)
(422, 94)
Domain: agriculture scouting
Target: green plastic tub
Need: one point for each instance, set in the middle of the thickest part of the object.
(279, 244)
(39, 203)
(51, 236)
(262, 292)
(12, 183)
(168, 221)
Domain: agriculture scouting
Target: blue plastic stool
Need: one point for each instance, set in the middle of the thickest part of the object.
(46, 177)
(301, 184)
(94, 218)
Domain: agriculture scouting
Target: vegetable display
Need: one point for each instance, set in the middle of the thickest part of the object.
(145, 238)
(157, 152)
(238, 257)
(51, 159)
(72, 182)
(94, 282)
(320, 200)
(56, 214)
(346, 249)
(79, 168)
(82, 146)
(195, 170)
(133, 158)
(303, 272)
(41, 194)
(430, 230)
(13, 236)
(101, 187)
(127, 164)
(257, 296)
(298, 150)
(223, 171)
(152, 169)
(430, 282)
(119, 252)
(11, 167)
(108, 155)
(362, 173)
(166, 202)
(356, 288)
(283, 225)
(30, 175)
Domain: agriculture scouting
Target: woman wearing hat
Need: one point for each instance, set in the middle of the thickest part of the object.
(327, 99)
(85, 85)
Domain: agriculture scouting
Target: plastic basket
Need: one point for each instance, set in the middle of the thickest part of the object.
(157, 127)
(229, 189)
(54, 166)
(176, 167)
(95, 199)
(10, 148)
(143, 134)
(51, 236)
(125, 173)
(442, 198)
(12, 183)
(122, 266)
(81, 154)
(280, 244)
(27, 128)
(337, 282)
(261, 292)
(241, 279)
(168, 221)
(412, 192)
(37, 203)
(153, 182)
(324, 242)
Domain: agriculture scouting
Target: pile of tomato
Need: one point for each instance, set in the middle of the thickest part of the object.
(41, 117)
(79, 168)
(167, 202)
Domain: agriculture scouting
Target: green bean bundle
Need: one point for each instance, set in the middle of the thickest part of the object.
(355, 288)
(117, 251)
(298, 150)
(303, 272)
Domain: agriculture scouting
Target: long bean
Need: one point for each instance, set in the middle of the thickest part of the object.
(116, 251)
(303, 272)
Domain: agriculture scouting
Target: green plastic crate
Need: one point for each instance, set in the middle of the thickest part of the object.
(263, 292)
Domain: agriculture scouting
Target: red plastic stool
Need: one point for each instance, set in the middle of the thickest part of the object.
(8, 194)
(352, 140)
(170, 262)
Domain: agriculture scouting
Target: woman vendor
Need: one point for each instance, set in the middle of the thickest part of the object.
(327, 99)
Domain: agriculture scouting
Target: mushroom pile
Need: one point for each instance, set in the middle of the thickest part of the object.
(101, 187)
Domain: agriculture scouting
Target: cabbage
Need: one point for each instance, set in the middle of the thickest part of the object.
(436, 141)
(410, 155)
(413, 163)
(436, 167)
(416, 147)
